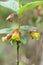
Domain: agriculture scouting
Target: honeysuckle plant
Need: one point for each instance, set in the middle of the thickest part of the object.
(16, 33)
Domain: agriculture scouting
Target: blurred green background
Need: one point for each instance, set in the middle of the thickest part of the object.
(32, 52)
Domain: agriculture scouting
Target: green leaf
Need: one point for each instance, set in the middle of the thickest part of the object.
(9, 30)
(4, 31)
(26, 27)
(23, 40)
(29, 6)
(10, 4)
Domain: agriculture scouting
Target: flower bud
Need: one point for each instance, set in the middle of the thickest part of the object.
(8, 36)
(10, 17)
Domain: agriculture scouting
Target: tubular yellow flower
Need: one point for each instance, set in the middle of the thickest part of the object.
(35, 35)
(4, 39)
(16, 35)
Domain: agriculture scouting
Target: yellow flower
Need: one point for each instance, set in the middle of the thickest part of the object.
(16, 36)
(35, 35)
(4, 39)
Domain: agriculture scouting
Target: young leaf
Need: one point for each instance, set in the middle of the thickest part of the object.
(29, 6)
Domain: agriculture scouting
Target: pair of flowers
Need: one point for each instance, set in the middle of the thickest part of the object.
(16, 35)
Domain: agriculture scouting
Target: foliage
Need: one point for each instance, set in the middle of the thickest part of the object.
(14, 6)
(17, 32)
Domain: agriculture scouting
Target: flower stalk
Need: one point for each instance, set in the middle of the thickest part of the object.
(17, 53)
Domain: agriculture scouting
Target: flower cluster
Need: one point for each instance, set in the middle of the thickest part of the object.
(34, 34)
(15, 35)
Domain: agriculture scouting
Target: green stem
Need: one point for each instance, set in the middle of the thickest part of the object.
(17, 53)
